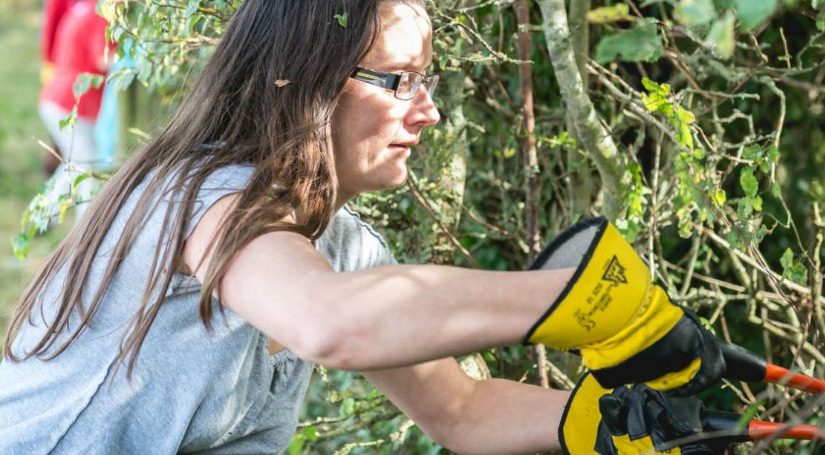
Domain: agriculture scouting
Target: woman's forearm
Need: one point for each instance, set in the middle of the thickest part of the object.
(508, 417)
(399, 315)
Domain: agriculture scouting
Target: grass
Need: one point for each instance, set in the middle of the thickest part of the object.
(20, 128)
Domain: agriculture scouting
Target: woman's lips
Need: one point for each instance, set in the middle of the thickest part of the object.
(401, 148)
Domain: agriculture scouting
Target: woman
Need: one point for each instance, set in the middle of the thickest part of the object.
(121, 343)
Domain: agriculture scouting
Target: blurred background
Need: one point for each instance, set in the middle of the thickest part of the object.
(21, 176)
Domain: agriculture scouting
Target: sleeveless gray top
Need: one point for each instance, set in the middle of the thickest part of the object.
(191, 390)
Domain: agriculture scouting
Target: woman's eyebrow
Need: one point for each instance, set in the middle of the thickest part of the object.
(395, 67)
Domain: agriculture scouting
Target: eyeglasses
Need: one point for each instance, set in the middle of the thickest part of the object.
(405, 84)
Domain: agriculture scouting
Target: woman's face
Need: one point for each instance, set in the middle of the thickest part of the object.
(372, 131)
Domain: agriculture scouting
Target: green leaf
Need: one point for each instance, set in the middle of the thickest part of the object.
(609, 14)
(347, 407)
(757, 203)
(342, 19)
(694, 12)
(638, 44)
(84, 82)
(657, 103)
(685, 116)
(773, 154)
(752, 153)
(776, 190)
(721, 37)
(69, 121)
(753, 12)
(748, 181)
(787, 258)
(734, 241)
(684, 136)
(749, 414)
(720, 197)
(792, 269)
(78, 179)
(744, 207)
(655, 87)
(20, 245)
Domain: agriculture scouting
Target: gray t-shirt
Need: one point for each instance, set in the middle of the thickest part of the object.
(191, 390)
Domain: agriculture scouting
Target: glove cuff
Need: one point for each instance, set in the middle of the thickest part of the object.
(604, 294)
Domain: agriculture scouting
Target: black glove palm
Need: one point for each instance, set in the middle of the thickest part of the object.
(633, 420)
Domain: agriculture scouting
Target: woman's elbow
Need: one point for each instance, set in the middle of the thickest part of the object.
(332, 342)
(324, 346)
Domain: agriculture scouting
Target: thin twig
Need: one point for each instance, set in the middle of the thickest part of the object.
(416, 192)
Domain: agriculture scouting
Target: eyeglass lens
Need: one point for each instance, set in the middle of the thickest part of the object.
(411, 82)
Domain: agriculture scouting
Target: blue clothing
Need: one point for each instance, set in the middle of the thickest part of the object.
(191, 390)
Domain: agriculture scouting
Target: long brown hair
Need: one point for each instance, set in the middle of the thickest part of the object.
(235, 107)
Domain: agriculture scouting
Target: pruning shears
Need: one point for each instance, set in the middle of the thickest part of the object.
(743, 365)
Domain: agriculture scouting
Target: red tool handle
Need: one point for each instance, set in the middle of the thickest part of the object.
(743, 365)
(779, 375)
(758, 429)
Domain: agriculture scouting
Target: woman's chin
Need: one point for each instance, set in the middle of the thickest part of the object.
(397, 178)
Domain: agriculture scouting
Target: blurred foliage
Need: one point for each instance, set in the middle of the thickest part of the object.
(716, 107)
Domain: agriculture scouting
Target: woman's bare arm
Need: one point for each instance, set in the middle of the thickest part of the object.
(375, 318)
(467, 416)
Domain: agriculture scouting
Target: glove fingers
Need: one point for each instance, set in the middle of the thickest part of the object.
(604, 441)
(614, 411)
(638, 424)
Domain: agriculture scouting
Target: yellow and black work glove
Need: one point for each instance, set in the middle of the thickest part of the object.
(623, 324)
(632, 420)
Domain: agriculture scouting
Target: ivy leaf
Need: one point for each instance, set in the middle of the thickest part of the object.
(342, 20)
(748, 181)
(609, 14)
(721, 37)
(638, 44)
(753, 12)
(695, 12)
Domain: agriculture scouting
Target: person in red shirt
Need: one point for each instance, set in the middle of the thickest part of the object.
(53, 12)
(78, 46)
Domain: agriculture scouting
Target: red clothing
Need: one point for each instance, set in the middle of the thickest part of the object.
(53, 12)
(79, 47)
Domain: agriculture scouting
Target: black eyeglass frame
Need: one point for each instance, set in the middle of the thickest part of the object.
(391, 81)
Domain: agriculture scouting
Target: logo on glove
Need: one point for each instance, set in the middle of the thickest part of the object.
(614, 272)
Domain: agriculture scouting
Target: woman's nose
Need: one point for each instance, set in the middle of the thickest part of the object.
(423, 111)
